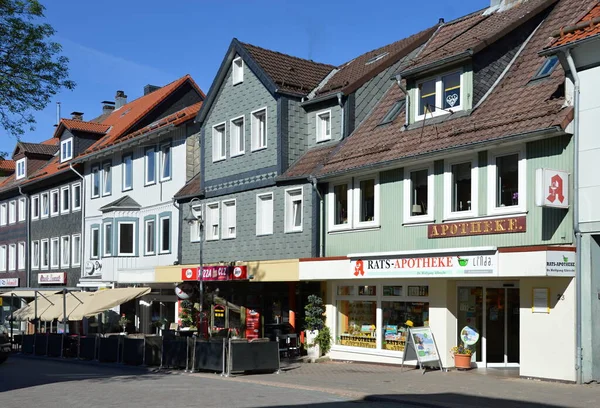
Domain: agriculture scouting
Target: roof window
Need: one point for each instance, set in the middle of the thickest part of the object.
(393, 112)
(376, 58)
(547, 67)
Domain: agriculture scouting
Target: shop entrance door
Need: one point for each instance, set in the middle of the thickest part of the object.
(493, 310)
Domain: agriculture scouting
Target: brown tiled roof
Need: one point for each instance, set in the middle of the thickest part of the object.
(308, 163)
(39, 148)
(290, 74)
(89, 127)
(585, 27)
(191, 188)
(7, 165)
(353, 74)
(476, 31)
(516, 106)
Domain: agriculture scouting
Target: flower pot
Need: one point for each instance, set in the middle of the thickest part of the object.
(312, 349)
(462, 361)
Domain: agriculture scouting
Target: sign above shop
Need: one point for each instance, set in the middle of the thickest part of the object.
(551, 188)
(481, 265)
(215, 273)
(481, 227)
(54, 278)
(9, 282)
(560, 263)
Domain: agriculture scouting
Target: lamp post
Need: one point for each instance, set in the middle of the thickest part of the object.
(196, 217)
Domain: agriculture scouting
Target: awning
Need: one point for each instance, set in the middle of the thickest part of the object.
(79, 304)
(29, 293)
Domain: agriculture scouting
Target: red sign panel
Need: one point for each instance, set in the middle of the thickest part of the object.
(215, 273)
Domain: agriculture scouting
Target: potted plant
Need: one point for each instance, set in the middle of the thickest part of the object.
(313, 319)
(462, 357)
(123, 322)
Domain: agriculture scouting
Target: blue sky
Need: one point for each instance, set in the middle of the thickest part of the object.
(123, 45)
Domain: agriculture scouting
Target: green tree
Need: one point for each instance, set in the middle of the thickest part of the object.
(31, 67)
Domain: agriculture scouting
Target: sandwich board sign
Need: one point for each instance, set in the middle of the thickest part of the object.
(424, 347)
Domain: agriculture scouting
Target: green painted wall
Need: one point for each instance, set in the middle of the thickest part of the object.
(544, 226)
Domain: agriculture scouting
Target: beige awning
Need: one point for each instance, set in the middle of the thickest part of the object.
(76, 302)
(29, 311)
(29, 293)
(109, 298)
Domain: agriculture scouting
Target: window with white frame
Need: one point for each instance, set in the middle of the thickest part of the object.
(340, 205)
(218, 142)
(35, 254)
(95, 243)
(323, 124)
(54, 253)
(54, 203)
(35, 207)
(76, 250)
(165, 162)
(2, 258)
(237, 136)
(106, 179)
(150, 166)
(264, 214)
(150, 237)
(259, 129)
(95, 182)
(127, 172)
(76, 193)
(506, 182)
(21, 168)
(65, 251)
(196, 227)
(440, 95)
(65, 199)
(12, 257)
(293, 210)
(366, 201)
(21, 209)
(66, 150)
(460, 189)
(418, 195)
(12, 212)
(107, 249)
(165, 234)
(3, 214)
(126, 238)
(45, 254)
(237, 68)
(229, 228)
(21, 256)
(45, 205)
(212, 221)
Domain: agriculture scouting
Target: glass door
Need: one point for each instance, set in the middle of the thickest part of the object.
(470, 313)
(494, 324)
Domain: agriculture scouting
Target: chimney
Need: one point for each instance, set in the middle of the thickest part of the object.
(77, 115)
(107, 106)
(120, 99)
(148, 89)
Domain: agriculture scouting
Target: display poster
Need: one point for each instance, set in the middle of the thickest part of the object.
(541, 300)
(424, 343)
(469, 335)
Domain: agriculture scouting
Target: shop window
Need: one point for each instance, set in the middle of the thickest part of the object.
(367, 290)
(346, 290)
(417, 291)
(394, 317)
(392, 291)
(356, 323)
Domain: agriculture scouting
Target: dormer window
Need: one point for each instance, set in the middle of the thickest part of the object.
(439, 96)
(237, 68)
(21, 168)
(66, 150)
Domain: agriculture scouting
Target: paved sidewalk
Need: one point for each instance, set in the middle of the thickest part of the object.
(452, 389)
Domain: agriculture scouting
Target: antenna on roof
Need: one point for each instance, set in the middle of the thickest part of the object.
(57, 114)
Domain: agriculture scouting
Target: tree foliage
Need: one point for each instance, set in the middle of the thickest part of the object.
(313, 313)
(31, 67)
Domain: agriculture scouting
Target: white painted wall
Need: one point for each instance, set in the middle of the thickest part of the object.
(548, 339)
(154, 199)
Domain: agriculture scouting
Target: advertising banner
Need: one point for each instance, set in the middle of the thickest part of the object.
(215, 273)
(560, 263)
(53, 278)
(9, 282)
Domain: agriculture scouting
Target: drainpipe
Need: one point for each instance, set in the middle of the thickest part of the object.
(407, 96)
(28, 235)
(341, 103)
(82, 251)
(577, 229)
(313, 181)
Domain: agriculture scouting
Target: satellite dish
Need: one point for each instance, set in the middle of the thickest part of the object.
(197, 211)
(89, 268)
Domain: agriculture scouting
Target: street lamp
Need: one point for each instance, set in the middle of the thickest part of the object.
(196, 217)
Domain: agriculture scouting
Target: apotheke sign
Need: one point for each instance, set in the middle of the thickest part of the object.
(560, 263)
(483, 265)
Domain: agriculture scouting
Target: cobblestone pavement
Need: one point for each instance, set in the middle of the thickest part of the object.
(30, 382)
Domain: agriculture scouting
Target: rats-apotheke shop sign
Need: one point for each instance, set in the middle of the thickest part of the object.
(480, 227)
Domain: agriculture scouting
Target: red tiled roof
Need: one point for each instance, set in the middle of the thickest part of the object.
(356, 72)
(89, 127)
(533, 106)
(290, 74)
(586, 27)
(476, 31)
(7, 165)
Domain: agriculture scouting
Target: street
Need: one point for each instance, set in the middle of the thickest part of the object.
(26, 382)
